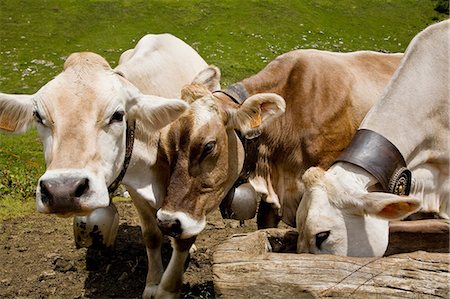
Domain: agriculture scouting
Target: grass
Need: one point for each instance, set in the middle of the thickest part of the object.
(21, 163)
(240, 37)
(10, 208)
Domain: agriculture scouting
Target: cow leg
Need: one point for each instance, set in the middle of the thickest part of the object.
(172, 280)
(153, 239)
(267, 216)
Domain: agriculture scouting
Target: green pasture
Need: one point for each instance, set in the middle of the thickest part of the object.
(239, 36)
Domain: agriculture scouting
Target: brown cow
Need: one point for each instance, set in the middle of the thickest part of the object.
(326, 96)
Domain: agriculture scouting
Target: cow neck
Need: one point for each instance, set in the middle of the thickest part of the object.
(128, 152)
(129, 142)
(378, 156)
(238, 94)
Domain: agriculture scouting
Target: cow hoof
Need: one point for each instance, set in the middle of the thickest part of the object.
(193, 249)
(150, 292)
(162, 294)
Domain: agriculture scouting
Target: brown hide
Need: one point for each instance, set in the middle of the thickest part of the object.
(198, 179)
(327, 95)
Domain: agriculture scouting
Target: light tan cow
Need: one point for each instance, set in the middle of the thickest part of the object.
(326, 95)
(82, 116)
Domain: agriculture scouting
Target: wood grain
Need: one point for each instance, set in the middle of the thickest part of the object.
(245, 266)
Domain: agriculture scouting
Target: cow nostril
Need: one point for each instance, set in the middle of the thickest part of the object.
(45, 191)
(176, 227)
(81, 187)
(321, 237)
(170, 227)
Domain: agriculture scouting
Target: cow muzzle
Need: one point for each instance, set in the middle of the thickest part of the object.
(179, 225)
(70, 192)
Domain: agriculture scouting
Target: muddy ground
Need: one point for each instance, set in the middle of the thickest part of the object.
(38, 259)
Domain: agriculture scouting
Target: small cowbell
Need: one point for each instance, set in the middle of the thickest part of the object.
(98, 229)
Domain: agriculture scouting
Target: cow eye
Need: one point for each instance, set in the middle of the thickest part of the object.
(321, 237)
(117, 117)
(208, 148)
(38, 117)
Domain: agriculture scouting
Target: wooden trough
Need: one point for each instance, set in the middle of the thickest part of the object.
(263, 264)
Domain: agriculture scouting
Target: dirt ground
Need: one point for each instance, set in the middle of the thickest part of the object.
(38, 259)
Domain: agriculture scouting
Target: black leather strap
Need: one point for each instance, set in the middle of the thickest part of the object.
(129, 150)
(378, 156)
(236, 92)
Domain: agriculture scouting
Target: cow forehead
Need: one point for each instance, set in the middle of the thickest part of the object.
(81, 93)
(86, 60)
(204, 111)
(318, 204)
(201, 121)
(199, 124)
(308, 204)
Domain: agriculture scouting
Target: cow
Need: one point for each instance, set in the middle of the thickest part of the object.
(301, 110)
(402, 146)
(87, 118)
(326, 95)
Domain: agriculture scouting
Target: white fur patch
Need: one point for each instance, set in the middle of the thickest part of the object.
(205, 111)
(190, 227)
(259, 184)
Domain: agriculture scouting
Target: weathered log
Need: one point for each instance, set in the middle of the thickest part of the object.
(427, 235)
(246, 266)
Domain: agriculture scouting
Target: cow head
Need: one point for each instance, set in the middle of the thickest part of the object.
(333, 219)
(81, 116)
(204, 154)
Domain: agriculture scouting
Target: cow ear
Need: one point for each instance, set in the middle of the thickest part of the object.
(209, 77)
(389, 206)
(155, 112)
(256, 113)
(16, 113)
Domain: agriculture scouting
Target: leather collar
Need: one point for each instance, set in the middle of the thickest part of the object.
(378, 156)
(236, 92)
(129, 142)
(128, 151)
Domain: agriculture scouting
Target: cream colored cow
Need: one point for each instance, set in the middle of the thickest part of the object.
(82, 117)
(340, 212)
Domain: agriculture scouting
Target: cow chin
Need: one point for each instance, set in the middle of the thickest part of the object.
(179, 224)
(70, 192)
